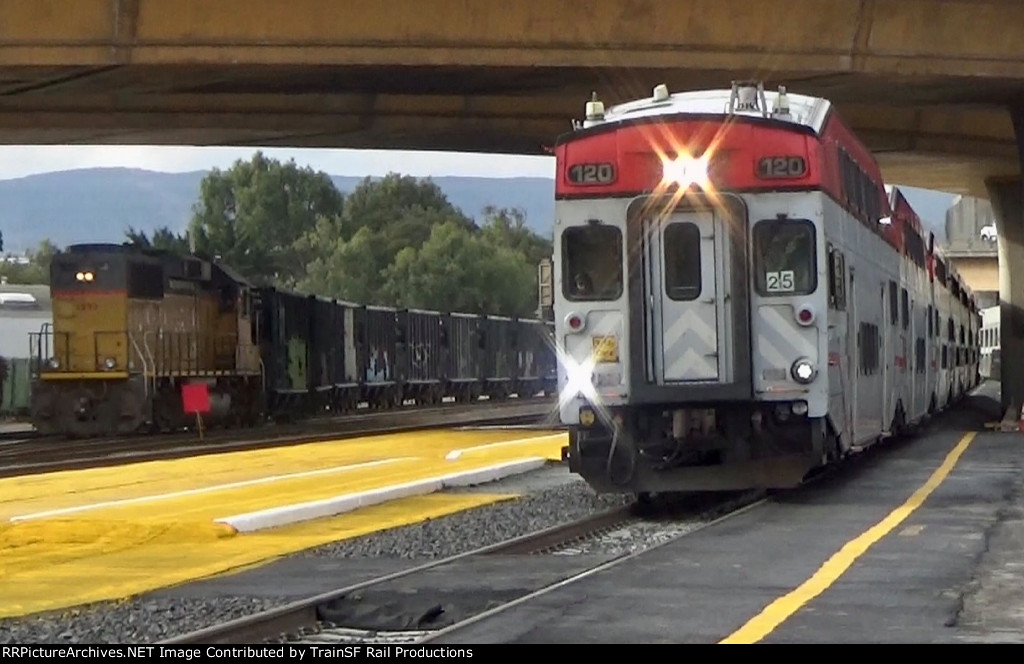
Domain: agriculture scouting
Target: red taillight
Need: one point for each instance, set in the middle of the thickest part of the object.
(805, 315)
(575, 322)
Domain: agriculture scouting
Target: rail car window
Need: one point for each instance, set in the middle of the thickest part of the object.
(592, 256)
(785, 259)
(868, 342)
(894, 303)
(931, 329)
(682, 261)
(905, 307)
(837, 279)
(915, 247)
(919, 355)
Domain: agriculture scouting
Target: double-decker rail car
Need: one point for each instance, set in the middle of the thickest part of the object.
(132, 326)
(988, 331)
(738, 299)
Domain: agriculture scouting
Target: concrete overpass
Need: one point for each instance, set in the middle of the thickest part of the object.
(935, 87)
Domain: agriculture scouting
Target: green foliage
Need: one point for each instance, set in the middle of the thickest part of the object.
(163, 238)
(36, 271)
(395, 241)
(252, 215)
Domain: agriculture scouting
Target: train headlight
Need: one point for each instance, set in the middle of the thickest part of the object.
(110, 363)
(53, 363)
(803, 371)
(84, 276)
(579, 378)
(684, 171)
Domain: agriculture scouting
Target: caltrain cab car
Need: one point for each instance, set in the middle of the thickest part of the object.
(738, 298)
(130, 327)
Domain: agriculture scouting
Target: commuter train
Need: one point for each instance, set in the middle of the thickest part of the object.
(132, 328)
(738, 298)
(991, 364)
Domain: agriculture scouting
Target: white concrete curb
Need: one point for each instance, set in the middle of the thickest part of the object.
(280, 516)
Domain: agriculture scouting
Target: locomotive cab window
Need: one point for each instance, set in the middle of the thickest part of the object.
(785, 258)
(97, 274)
(593, 262)
(682, 261)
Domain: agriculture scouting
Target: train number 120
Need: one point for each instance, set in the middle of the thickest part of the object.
(591, 173)
(781, 167)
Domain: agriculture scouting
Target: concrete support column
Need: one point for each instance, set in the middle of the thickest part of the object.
(1007, 197)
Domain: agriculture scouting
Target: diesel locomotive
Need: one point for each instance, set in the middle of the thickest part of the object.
(133, 326)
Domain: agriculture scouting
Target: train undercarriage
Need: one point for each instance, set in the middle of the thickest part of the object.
(723, 447)
(82, 408)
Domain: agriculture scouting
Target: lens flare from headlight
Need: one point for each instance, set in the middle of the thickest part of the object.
(579, 377)
(579, 383)
(684, 171)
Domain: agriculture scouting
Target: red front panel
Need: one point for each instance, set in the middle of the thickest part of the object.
(742, 155)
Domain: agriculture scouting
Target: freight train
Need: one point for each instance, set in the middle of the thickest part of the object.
(739, 299)
(132, 327)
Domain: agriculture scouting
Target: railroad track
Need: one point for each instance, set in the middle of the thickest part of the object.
(47, 454)
(432, 600)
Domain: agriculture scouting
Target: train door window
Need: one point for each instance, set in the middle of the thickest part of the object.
(931, 330)
(945, 356)
(785, 259)
(961, 334)
(950, 330)
(837, 281)
(868, 348)
(592, 256)
(894, 303)
(905, 306)
(682, 261)
(919, 355)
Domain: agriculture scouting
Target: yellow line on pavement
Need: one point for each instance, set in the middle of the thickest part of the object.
(782, 608)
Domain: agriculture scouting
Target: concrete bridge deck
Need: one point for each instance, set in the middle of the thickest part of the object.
(926, 83)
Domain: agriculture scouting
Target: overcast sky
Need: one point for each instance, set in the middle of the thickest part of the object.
(19, 161)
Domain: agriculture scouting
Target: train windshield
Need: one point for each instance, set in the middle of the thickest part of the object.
(592, 265)
(785, 258)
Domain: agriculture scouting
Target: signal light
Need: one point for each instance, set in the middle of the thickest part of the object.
(575, 322)
(805, 315)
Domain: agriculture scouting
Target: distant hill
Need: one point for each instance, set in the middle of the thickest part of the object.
(98, 204)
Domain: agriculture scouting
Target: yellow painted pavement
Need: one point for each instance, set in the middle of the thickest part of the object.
(106, 533)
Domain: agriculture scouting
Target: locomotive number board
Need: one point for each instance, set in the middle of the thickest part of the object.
(585, 174)
(781, 167)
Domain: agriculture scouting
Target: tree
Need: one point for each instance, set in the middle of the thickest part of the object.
(460, 270)
(37, 271)
(252, 215)
(348, 255)
(163, 238)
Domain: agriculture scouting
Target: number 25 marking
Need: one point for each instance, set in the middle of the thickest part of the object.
(779, 282)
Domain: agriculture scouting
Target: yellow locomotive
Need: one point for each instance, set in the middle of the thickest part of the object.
(130, 328)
